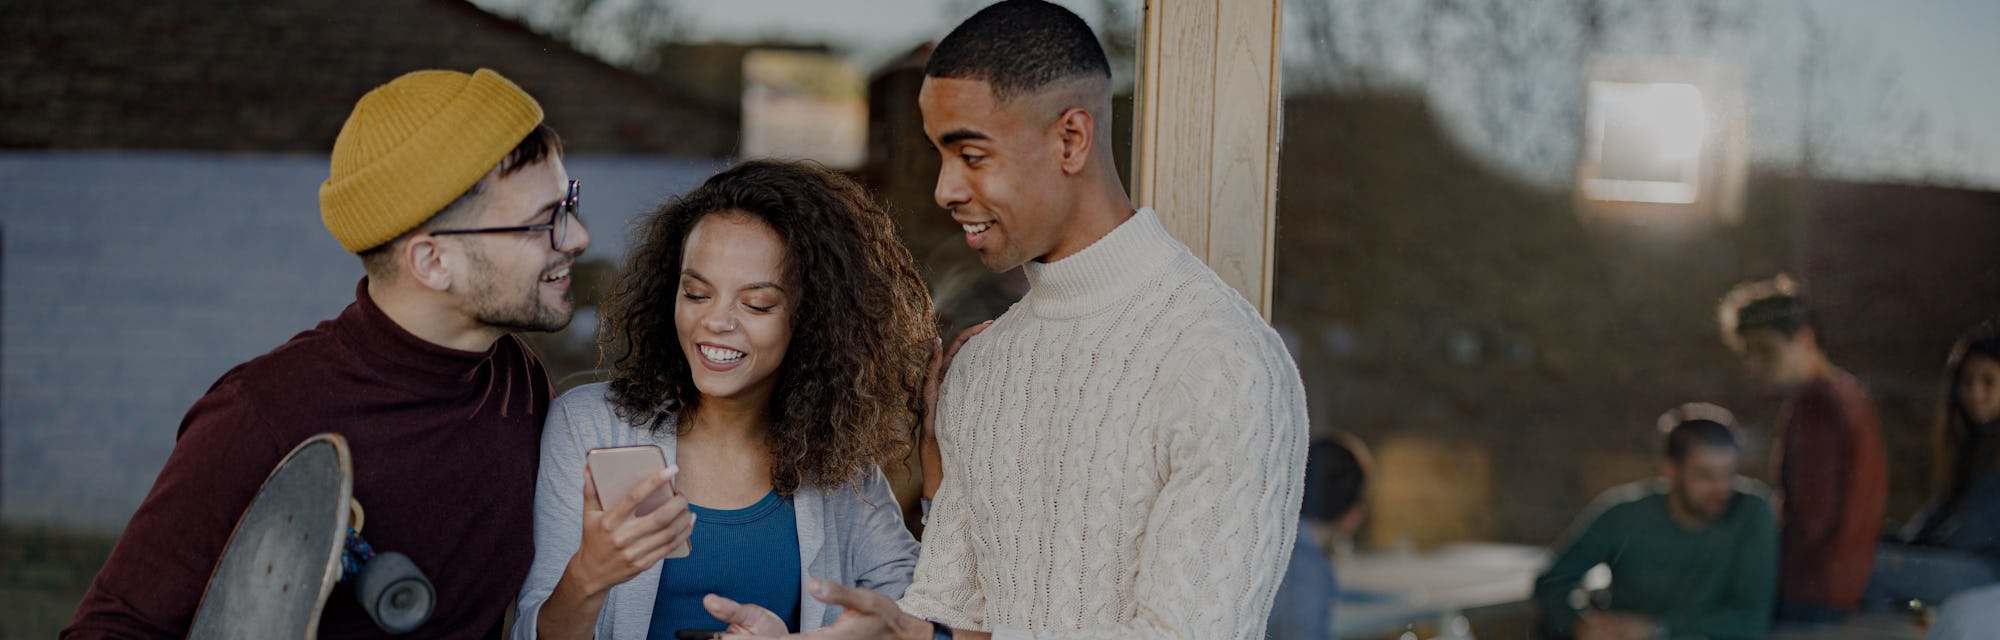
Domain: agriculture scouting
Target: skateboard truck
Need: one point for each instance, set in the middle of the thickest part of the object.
(299, 536)
(389, 585)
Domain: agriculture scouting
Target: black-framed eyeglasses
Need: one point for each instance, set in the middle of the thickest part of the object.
(557, 226)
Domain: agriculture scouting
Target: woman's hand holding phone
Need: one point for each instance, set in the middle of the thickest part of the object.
(620, 543)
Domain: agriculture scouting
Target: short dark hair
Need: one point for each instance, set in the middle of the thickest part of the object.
(1698, 432)
(1018, 47)
(1764, 305)
(1335, 479)
(541, 143)
(1784, 314)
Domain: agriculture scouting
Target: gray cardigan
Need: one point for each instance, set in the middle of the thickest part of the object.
(849, 536)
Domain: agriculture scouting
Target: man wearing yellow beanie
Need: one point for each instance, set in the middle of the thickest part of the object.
(453, 193)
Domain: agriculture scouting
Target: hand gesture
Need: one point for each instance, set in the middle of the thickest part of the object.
(744, 619)
(618, 543)
(867, 615)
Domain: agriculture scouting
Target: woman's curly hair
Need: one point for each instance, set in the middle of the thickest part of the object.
(850, 389)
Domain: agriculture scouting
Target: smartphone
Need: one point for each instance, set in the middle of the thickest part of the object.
(697, 634)
(619, 470)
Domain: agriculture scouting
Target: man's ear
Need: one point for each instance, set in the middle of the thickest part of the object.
(1078, 131)
(428, 262)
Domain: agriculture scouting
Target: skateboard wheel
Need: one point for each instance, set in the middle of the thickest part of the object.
(395, 593)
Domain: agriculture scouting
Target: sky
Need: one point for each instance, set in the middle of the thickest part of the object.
(1888, 67)
(1942, 53)
(1946, 53)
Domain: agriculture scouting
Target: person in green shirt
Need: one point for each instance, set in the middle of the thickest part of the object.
(1693, 553)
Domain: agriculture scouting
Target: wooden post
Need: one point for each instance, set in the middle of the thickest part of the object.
(1207, 136)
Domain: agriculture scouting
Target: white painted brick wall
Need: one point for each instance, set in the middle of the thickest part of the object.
(133, 280)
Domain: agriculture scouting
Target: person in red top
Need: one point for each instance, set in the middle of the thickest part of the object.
(453, 194)
(1828, 462)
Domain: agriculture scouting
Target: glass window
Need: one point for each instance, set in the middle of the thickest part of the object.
(1505, 229)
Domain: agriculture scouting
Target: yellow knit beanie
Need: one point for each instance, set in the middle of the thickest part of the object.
(414, 145)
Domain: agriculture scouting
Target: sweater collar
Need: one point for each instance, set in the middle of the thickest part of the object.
(393, 350)
(1104, 272)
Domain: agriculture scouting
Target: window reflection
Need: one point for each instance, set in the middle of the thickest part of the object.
(1504, 229)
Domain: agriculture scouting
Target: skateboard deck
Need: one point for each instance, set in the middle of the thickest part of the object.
(283, 559)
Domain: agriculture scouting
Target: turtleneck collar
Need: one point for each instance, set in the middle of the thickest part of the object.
(1103, 273)
(395, 352)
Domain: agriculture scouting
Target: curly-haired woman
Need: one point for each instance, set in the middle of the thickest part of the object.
(769, 334)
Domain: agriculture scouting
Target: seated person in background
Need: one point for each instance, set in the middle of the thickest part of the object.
(1336, 481)
(1693, 553)
(1828, 461)
(1953, 544)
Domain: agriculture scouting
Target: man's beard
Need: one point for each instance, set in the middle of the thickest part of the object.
(523, 311)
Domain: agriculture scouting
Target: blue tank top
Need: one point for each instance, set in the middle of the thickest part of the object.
(748, 555)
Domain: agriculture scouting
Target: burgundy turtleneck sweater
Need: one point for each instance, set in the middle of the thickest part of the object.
(444, 443)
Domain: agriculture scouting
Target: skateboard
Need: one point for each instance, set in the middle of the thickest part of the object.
(297, 539)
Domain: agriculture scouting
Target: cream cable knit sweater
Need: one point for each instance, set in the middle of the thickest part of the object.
(1123, 455)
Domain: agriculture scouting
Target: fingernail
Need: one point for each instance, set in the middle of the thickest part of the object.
(818, 588)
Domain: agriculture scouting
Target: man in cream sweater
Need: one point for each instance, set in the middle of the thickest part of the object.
(1123, 449)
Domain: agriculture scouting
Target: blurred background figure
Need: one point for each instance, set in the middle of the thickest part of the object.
(1951, 545)
(1692, 553)
(1829, 463)
(1337, 471)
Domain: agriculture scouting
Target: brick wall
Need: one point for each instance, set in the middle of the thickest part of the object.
(282, 75)
(133, 280)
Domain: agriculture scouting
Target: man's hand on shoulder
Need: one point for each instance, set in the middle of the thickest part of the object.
(941, 357)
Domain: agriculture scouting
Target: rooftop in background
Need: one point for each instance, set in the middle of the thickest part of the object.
(281, 76)
(871, 33)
